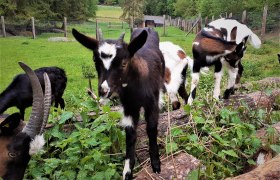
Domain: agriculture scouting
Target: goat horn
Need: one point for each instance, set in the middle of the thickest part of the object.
(121, 37)
(100, 35)
(47, 101)
(33, 126)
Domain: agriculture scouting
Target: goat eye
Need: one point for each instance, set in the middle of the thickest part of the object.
(12, 155)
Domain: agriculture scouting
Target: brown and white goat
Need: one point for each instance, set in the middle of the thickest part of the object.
(176, 65)
(135, 71)
(19, 142)
(221, 43)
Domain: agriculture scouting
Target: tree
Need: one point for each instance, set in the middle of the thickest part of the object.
(186, 8)
(132, 10)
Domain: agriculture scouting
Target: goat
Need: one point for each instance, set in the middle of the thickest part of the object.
(214, 45)
(17, 141)
(19, 92)
(136, 72)
(176, 65)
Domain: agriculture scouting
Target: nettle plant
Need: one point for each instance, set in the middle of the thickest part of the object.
(91, 149)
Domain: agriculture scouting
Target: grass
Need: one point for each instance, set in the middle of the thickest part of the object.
(109, 13)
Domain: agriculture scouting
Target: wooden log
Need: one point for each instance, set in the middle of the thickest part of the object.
(65, 26)
(244, 17)
(269, 170)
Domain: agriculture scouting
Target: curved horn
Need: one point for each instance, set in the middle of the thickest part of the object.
(33, 126)
(121, 37)
(47, 101)
(100, 35)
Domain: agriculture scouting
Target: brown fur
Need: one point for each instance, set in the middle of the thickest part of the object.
(141, 65)
(167, 75)
(3, 154)
(213, 46)
(181, 54)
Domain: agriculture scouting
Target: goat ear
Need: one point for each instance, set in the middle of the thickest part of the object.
(233, 33)
(137, 43)
(86, 41)
(10, 123)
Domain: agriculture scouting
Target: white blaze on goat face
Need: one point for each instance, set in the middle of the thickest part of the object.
(107, 52)
(126, 168)
(105, 87)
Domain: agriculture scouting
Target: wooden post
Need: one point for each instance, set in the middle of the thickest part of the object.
(3, 26)
(96, 30)
(199, 24)
(213, 18)
(264, 22)
(206, 20)
(109, 26)
(244, 17)
(65, 26)
(230, 15)
(33, 27)
(164, 24)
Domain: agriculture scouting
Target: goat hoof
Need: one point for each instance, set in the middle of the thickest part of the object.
(128, 176)
(176, 105)
(156, 166)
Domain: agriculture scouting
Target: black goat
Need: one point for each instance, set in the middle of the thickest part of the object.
(136, 72)
(17, 141)
(19, 92)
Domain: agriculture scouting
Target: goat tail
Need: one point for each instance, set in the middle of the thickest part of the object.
(255, 40)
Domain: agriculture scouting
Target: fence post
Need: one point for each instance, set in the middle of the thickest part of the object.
(244, 17)
(65, 26)
(199, 24)
(206, 21)
(264, 22)
(213, 18)
(164, 24)
(96, 30)
(109, 25)
(230, 15)
(3, 26)
(33, 27)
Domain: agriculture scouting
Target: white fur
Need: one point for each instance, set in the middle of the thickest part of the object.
(109, 49)
(260, 159)
(36, 144)
(210, 59)
(194, 83)
(126, 168)
(105, 88)
(126, 121)
(242, 31)
(195, 43)
(217, 87)
(160, 101)
(232, 73)
(104, 101)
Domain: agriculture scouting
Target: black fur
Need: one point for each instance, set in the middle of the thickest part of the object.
(19, 92)
(142, 85)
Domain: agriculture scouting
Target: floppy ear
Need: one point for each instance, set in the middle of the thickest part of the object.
(86, 41)
(137, 43)
(10, 124)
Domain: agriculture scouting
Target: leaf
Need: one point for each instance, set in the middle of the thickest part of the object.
(193, 137)
(219, 139)
(193, 175)
(230, 152)
(65, 116)
(251, 162)
(176, 132)
(199, 120)
(275, 148)
(174, 147)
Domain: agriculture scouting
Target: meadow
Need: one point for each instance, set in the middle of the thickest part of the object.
(96, 145)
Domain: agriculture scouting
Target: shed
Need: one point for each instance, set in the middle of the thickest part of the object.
(153, 21)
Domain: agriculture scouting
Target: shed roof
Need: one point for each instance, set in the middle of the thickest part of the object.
(156, 19)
